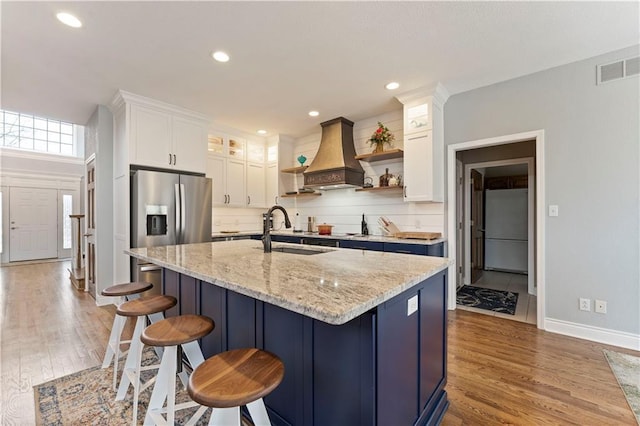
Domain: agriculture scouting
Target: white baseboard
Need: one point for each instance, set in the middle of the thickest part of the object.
(595, 334)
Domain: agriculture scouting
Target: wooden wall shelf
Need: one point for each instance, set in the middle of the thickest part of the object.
(301, 194)
(381, 188)
(298, 169)
(385, 155)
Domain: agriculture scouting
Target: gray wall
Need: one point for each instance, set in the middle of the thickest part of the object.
(592, 160)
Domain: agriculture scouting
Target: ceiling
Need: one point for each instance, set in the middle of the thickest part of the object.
(288, 58)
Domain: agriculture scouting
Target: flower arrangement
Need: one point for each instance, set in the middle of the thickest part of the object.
(381, 136)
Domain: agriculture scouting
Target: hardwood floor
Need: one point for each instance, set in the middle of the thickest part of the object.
(507, 372)
(48, 329)
(499, 371)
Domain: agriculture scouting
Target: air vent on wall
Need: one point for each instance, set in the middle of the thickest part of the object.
(620, 69)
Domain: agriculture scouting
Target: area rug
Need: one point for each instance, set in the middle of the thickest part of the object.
(626, 368)
(87, 398)
(485, 298)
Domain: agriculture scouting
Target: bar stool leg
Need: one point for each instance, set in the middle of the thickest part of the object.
(258, 412)
(225, 417)
(165, 387)
(132, 363)
(113, 347)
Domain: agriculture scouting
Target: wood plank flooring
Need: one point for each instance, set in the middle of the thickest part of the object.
(48, 329)
(499, 371)
(507, 372)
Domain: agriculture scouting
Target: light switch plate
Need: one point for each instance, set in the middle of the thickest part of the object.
(412, 305)
(553, 210)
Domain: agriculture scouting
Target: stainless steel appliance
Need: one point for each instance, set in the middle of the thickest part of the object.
(167, 209)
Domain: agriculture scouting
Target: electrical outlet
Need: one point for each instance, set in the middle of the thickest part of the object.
(601, 306)
(585, 304)
(412, 305)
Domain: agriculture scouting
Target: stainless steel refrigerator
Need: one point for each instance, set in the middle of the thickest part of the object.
(167, 209)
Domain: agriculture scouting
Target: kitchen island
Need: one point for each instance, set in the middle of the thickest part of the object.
(362, 334)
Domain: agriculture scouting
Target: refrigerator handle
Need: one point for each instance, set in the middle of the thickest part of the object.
(183, 216)
(178, 215)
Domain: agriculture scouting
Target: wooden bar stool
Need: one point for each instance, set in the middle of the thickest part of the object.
(124, 292)
(234, 378)
(139, 308)
(183, 330)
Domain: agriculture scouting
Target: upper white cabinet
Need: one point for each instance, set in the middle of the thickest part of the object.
(161, 135)
(256, 185)
(279, 156)
(424, 144)
(237, 167)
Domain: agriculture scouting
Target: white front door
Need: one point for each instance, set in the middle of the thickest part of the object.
(33, 216)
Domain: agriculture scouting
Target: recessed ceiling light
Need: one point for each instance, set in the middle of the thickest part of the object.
(262, 132)
(392, 86)
(69, 19)
(314, 113)
(220, 56)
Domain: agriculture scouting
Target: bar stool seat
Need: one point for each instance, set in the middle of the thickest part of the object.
(146, 306)
(126, 289)
(113, 351)
(183, 330)
(234, 378)
(139, 308)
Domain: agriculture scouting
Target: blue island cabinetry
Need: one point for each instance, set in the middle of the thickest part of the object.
(385, 367)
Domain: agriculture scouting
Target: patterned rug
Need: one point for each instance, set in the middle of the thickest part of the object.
(626, 368)
(87, 398)
(488, 299)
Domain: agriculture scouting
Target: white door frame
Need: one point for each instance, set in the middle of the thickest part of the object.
(529, 161)
(452, 149)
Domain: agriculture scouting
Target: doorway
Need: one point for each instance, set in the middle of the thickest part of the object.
(455, 227)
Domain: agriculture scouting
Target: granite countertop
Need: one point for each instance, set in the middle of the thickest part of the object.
(336, 237)
(334, 286)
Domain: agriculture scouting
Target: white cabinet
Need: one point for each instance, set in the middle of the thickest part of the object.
(238, 171)
(256, 185)
(228, 175)
(418, 182)
(151, 138)
(189, 145)
(424, 144)
(279, 156)
(271, 178)
(164, 139)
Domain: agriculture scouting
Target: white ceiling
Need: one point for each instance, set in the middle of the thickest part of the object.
(288, 57)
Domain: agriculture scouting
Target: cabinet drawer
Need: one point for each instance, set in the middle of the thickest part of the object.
(406, 248)
(362, 245)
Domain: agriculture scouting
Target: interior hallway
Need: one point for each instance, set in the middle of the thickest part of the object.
(499, 371)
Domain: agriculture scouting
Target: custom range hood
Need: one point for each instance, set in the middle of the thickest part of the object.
(334, 165)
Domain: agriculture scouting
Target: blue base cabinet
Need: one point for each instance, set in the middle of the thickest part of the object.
(382, 368)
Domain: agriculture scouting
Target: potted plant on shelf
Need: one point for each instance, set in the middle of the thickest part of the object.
(381, 136)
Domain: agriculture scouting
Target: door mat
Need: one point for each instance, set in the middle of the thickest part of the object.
(626, 369)
(485, 298)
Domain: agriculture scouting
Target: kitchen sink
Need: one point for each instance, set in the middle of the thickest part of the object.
(297, 250)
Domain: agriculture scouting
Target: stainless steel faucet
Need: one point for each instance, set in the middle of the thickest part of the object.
(266, 236)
